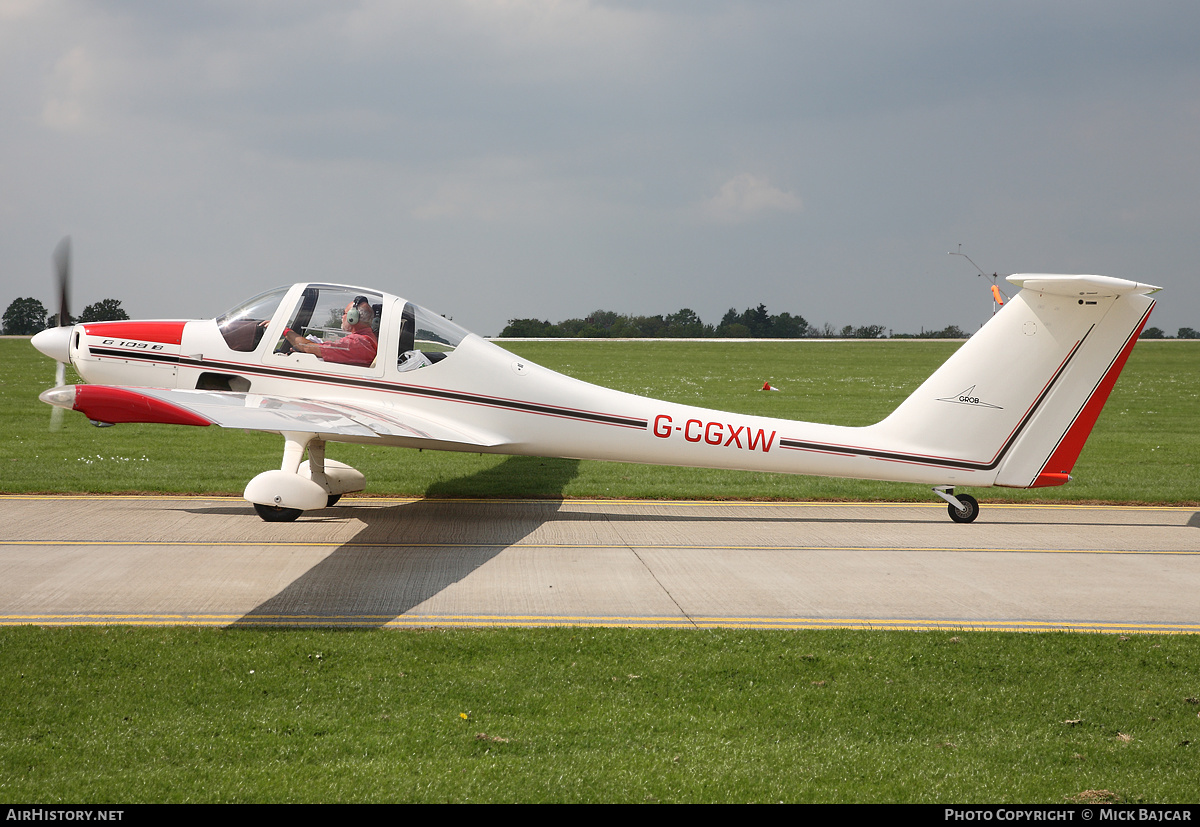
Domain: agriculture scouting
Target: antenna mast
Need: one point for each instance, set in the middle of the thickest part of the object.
(997, 299)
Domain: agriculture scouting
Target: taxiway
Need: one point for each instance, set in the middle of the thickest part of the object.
(377, 562)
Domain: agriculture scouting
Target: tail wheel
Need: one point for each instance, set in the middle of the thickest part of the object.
(275, 514)
(968, 512)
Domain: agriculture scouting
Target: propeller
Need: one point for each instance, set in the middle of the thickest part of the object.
(62, 273)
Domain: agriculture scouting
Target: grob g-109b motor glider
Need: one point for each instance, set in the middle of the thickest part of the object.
(1012, 407)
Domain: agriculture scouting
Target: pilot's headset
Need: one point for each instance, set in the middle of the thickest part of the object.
(353, 315)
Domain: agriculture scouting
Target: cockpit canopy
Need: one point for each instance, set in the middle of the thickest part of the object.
(351, 326)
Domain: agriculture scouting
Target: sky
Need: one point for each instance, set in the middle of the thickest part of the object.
(547, 158)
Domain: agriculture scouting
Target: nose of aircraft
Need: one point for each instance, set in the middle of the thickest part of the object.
(55, 342)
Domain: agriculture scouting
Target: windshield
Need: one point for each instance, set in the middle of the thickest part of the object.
(243, 326)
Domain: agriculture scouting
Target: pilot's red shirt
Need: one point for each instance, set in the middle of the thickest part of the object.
(357, 348)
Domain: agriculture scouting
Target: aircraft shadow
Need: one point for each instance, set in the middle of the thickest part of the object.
(408, 553)
(379, 574)
(396, 514)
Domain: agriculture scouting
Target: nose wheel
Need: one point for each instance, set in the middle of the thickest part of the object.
(276, 514)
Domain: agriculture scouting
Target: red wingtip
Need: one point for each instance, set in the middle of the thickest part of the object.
(108, 404)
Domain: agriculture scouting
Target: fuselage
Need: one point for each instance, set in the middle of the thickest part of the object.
(959, 428)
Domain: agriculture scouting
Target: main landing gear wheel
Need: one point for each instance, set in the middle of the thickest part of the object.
(275, 514)
(968, 513)
(332, 500)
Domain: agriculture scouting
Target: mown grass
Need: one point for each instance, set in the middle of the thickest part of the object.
(577, 715)
(1145, 447)
(112, 714)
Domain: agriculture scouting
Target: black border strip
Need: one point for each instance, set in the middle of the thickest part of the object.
(373, 384)
(144, 355)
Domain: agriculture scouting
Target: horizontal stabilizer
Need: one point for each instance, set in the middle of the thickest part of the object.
(1080, 286)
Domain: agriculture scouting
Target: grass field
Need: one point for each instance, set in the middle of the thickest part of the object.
(111, 714)
(578, 715)
(1145, 447)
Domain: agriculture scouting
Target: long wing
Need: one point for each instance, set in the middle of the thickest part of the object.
(259, 412)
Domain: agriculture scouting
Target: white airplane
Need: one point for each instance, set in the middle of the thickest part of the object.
(321, 363)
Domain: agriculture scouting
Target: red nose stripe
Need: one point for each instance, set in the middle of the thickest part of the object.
(105, 404)
(167, 333)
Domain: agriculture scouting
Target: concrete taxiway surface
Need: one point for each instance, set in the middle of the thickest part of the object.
(371, 562)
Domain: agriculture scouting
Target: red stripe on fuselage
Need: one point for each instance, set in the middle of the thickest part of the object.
(166, 333)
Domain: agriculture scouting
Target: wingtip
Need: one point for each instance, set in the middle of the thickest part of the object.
(62, 396)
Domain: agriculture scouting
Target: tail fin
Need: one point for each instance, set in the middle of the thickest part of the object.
(1017, 402)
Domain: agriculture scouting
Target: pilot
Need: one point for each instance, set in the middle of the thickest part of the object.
(357, 347)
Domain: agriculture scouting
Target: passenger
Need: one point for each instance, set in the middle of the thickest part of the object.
(357, 347)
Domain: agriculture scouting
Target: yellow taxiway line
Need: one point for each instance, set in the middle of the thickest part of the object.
(426, 621)
(518, 544)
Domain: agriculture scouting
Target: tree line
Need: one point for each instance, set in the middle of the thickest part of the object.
(24, 317)
(1159, 333)
(751, 323)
